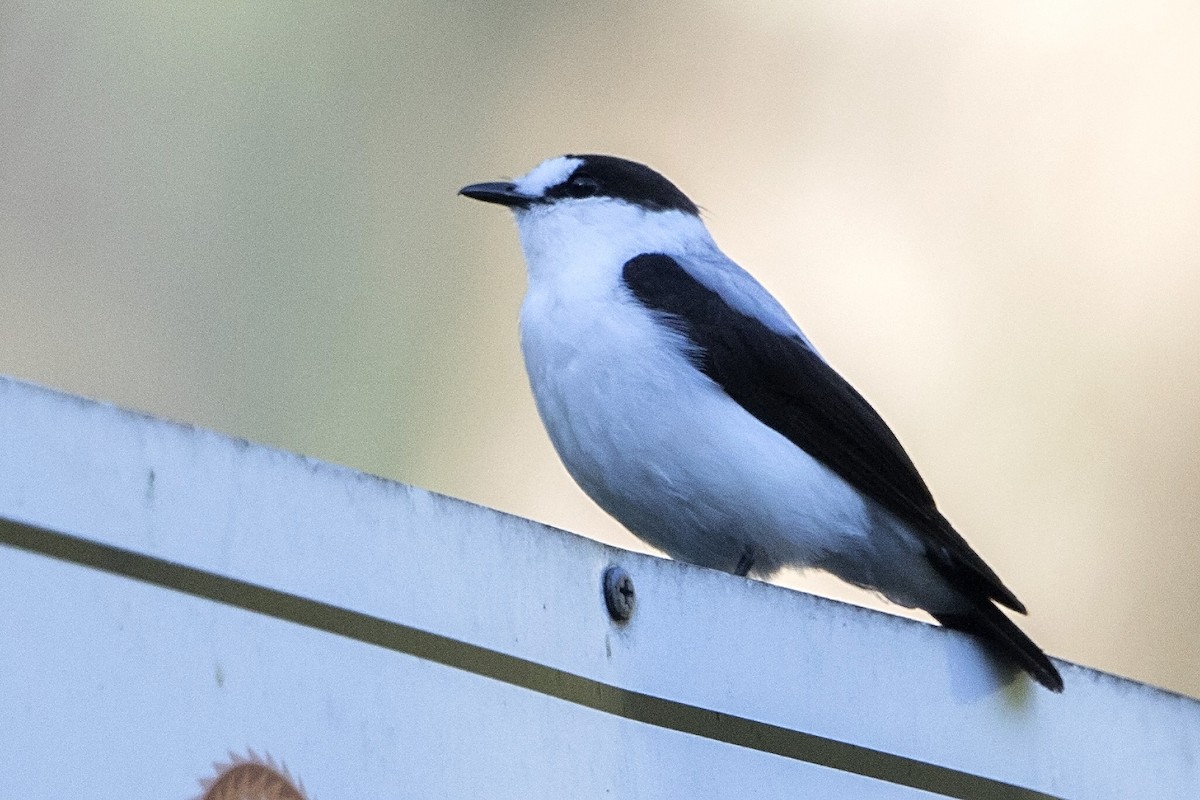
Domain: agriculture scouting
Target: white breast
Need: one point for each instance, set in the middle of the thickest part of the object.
(663, 449)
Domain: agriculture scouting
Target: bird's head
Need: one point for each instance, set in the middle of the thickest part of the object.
(573, 205)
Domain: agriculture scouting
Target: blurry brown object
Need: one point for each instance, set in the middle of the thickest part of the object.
(251, 778)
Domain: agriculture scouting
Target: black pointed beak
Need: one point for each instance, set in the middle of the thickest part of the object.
(498, 192)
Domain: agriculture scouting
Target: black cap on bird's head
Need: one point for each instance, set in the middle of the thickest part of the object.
(579, 177)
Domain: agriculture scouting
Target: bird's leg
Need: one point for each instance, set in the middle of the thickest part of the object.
(745, 563)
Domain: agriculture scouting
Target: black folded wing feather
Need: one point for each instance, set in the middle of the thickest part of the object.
(782, 382)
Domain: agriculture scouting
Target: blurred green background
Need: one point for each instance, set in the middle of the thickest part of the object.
(243, 215)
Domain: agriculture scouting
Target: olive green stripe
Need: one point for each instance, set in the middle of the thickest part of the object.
(514, 671)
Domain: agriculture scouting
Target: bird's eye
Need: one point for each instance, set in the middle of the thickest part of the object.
(583, 186)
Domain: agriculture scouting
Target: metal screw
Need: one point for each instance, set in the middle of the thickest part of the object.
(618, 593)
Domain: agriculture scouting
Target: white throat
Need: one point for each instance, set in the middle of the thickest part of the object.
(572, 240)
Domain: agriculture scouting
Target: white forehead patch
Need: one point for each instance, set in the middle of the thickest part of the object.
(546, 174)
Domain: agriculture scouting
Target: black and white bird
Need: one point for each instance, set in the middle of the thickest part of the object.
(686, 402)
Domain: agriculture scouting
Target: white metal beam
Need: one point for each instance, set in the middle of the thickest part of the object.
(168, 594)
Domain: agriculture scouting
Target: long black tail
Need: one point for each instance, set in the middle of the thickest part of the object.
(990, 623)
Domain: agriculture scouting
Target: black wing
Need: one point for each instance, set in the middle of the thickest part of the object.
(787, 386)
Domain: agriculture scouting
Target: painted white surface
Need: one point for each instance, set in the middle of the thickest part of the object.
(110, 688)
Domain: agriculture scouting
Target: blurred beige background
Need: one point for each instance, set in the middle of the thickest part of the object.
(242, 215)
